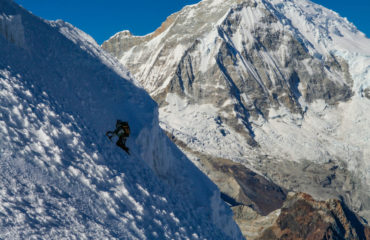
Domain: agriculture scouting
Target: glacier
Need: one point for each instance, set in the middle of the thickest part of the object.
(281, 86)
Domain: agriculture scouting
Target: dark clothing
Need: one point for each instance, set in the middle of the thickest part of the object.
(122, 143)
(122, 131)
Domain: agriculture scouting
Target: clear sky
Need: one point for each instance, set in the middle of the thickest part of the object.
(103, 18)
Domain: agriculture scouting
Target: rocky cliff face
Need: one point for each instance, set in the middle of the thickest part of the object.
(277, 86)
(303, 218)
(239, 185)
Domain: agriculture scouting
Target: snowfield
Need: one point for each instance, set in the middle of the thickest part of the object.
(229, 55)
(60, 177)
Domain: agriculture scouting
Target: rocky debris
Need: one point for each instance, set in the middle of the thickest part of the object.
(254, 190)
(239, 185)
(251, 223)
(322, 181)
(302, 217)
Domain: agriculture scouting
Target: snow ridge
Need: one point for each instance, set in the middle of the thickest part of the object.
(60, 177)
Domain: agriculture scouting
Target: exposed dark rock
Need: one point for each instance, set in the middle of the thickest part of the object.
(302, 217)
(366, 93)
(322, 181)
(256, 191)
(238, 184)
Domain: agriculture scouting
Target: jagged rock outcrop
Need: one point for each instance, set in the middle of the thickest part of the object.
(278, 86)
(302, 217)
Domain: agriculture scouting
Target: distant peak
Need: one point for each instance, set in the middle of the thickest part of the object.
(164, 26)
(126, 33)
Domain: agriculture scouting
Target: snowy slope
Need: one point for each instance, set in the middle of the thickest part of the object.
(328, 33)
(281, 86)
(60, 177)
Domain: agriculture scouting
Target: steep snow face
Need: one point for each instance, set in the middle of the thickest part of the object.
(60, 177)
(270, 84)
(328, 33)
(12, 29)
(167, 44)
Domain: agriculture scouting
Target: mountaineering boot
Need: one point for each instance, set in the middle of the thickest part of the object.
(126, 149)
(123, 146)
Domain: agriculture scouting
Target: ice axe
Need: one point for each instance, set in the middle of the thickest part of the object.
(109, 134)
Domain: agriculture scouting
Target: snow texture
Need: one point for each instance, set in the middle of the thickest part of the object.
(337, 132)
(325, 132)
(324, 33)
(60, 177)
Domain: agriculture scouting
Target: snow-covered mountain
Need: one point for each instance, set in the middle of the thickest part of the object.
(280, 86)
(60, 177)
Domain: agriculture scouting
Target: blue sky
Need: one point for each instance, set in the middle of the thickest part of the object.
(103, 18)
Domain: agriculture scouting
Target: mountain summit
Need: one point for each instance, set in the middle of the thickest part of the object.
(281, 87)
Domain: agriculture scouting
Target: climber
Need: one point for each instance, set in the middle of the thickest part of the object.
(122, 132)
